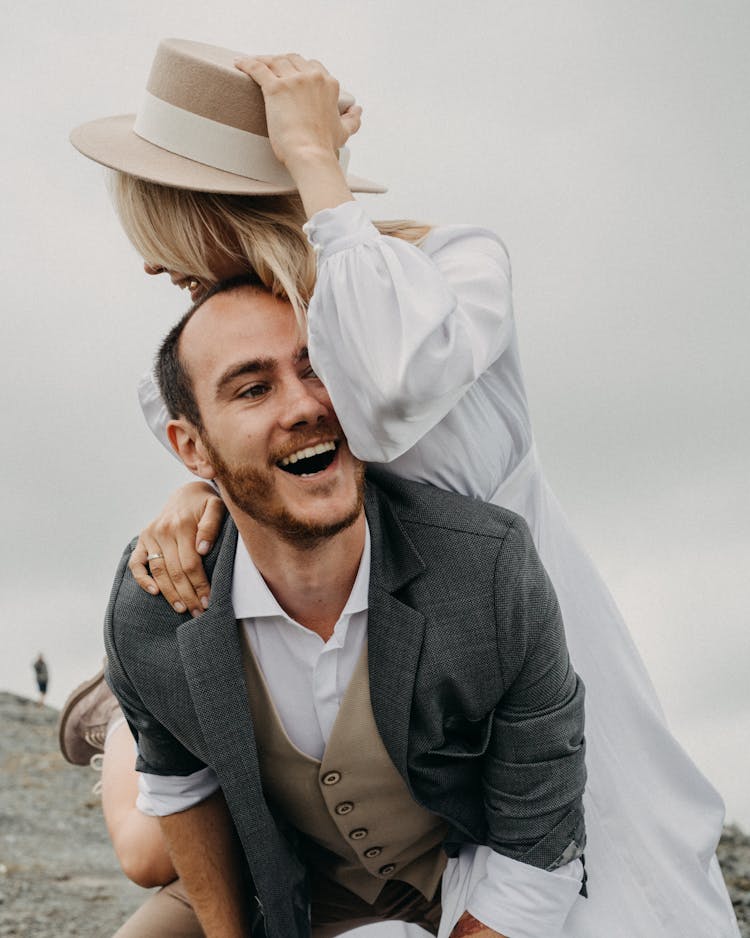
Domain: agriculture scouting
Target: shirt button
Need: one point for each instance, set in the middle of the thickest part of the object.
(387, 869)
(358, 834)
(373, 852)
(346, 807)
(331, 778)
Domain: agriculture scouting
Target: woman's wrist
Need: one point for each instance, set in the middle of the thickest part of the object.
(320, 180)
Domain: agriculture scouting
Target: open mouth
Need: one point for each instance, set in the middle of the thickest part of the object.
(309, 460)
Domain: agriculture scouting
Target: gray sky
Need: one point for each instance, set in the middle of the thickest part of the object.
(609, 145)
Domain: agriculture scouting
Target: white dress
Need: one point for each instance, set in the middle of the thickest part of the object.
(418, 350)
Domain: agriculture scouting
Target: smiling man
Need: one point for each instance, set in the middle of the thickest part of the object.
(380, 682)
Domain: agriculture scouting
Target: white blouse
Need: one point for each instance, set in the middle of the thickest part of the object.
(417, 348)
(431, 357)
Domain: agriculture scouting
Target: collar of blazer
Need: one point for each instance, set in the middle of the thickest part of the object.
(211, 657)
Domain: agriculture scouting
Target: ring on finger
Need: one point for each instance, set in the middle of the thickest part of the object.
(150, 557)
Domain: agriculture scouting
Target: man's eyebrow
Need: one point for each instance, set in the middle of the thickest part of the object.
(301, 355)
(252, 367)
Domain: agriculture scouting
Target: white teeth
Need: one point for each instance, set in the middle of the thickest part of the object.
(307, 453)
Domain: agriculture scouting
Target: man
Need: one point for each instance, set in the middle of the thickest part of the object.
(41, 674)
(380, 678)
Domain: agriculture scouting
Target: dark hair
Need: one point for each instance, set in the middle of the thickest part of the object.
(172, 376)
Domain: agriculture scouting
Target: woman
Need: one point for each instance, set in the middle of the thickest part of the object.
(414, 338)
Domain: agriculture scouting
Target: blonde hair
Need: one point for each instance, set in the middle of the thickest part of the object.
(197, 233)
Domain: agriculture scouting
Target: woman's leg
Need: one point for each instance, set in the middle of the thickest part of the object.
(92, 723)
(137, 838)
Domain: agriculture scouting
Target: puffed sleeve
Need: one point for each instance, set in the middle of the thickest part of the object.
(154, 409)
(399, 333)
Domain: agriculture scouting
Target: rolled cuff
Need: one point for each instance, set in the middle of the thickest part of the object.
(522, 901)
(160, 795)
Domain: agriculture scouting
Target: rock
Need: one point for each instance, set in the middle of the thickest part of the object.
(58, 872)
(734, 856)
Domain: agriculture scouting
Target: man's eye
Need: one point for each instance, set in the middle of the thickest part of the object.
(255, 390)
(309, 373)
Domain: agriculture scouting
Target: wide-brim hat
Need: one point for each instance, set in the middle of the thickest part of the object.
(202, 126)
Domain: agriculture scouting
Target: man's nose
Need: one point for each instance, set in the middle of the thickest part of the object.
(152, 268)
(305, 404)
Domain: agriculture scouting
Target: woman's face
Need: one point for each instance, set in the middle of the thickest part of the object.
(223, 269)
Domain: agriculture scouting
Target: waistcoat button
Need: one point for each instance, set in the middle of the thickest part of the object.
(359, 833)
(387, 869)
(373, 852)
(331, 778)
(344, 808)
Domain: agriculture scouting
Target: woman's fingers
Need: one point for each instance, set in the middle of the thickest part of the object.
(165, 569)
(257, 68)
(192, 583)
(351, 119)
(283, 67)
(209, 525)
(139, 568)
(174, 582)
(264, 68)
(304, 65)
(318, 66)
(302, 111)
(167, 557)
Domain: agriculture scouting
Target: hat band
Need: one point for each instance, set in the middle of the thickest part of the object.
(210, 142)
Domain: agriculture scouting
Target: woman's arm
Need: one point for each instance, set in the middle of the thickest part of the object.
(305, 127)
(396, 336)
(137, 838)
(398, 333)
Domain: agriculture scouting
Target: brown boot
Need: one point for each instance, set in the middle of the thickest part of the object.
(84, 720)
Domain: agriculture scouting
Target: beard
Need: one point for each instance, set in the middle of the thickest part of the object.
(253, 492)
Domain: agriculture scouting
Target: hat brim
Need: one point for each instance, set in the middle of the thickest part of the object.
(112, 142)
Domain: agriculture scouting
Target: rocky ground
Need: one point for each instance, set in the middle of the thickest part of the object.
(58, 874)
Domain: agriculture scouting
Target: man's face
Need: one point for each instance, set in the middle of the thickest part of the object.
(269, 434)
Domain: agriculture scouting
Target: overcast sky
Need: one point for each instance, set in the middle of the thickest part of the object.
(609, 145)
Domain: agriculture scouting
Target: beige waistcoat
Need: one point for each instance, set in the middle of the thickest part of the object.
(353, 803)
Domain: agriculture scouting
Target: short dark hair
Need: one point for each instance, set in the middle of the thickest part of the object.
(172, 376)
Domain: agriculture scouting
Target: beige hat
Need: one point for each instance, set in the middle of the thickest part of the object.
(202, 125)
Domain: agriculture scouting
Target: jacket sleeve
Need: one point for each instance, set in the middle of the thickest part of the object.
(534, 772)
(159, 753)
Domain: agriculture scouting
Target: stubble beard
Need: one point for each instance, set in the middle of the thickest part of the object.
(252, 491)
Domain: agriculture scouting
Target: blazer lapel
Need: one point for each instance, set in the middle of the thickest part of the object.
(212, 659)
(395, 630)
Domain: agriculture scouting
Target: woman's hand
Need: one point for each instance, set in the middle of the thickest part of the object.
(183, 533)
(302, 106)
(305, 127)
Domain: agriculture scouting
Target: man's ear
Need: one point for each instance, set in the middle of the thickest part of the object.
(186, 442)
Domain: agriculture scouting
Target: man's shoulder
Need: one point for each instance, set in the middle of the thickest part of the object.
(128, 602)
(418, 505)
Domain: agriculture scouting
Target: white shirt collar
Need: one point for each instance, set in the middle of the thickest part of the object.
(252, 599)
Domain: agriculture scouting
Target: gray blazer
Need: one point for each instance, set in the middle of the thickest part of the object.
(471, 688)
